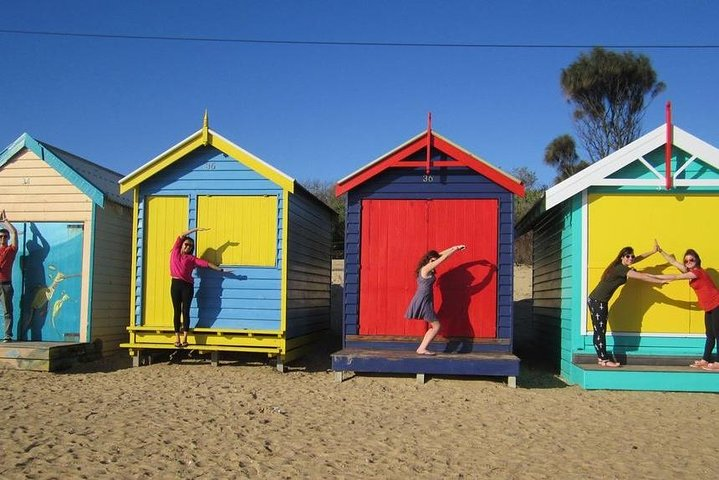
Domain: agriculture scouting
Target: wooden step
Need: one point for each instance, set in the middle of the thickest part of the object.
(403, 361)
(43, 356)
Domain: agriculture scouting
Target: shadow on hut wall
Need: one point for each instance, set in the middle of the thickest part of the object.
(33, 314)
(457, 288)
(634, 300)
(209, 292)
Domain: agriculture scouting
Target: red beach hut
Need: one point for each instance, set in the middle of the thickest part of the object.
(428, 193)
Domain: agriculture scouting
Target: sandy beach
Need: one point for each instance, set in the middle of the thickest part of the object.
(244, 419)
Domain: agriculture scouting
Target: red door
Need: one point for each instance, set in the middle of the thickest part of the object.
(395, 234)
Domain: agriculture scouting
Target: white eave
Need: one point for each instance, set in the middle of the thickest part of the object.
(597, 173)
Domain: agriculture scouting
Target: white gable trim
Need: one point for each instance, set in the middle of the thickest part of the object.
(597, 173)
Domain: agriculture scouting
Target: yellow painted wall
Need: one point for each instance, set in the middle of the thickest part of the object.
(242, 229)
(678, 222)
(165, 219)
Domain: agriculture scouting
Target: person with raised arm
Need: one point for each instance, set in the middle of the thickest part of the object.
(8, 251)
(615, 275)
(707, 296)
(182, 288)
(421, 307)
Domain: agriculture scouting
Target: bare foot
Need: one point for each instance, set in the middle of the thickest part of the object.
(426, 352)
(608, 363)
(699, 363)
(714, 367)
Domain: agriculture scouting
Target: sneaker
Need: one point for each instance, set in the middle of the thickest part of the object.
(6, 340)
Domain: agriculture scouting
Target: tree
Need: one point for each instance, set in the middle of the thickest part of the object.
(609, 92)
(561, 153)
(532, 193)
(325, 191)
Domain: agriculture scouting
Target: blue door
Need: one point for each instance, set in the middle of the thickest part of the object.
(47, 277)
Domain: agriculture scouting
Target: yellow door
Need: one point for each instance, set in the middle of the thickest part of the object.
(165, 219)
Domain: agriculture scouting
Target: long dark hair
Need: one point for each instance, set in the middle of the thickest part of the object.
(618, 260)
(693, 253)
(425, 260)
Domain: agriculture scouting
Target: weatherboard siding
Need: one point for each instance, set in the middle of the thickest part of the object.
(111, 275)
(548, 279)
(33, 191)
(309, 267)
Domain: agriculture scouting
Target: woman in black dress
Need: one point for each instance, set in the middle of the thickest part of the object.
(421, 307)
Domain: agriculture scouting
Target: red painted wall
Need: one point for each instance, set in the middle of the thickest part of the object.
(397, 233)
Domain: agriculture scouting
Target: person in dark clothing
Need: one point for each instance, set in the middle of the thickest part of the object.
(614, 276)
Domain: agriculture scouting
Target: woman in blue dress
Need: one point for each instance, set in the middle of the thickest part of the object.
(421, 307)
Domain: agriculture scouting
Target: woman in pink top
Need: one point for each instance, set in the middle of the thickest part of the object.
(182, 289)
(707, 295)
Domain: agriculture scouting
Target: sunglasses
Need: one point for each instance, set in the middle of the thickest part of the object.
(629, 255)
(188, 245)
(690, 260)
(3, 236)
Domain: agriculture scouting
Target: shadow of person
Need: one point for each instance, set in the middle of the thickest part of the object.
(210, 295)
(33, 311)
(457, 286)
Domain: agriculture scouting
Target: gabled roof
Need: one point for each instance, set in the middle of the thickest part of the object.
(458, 157)
(203, 137)
(607, 171)
(91, 179)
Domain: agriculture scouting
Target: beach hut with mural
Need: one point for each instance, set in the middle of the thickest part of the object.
(428, 193)
(272, 235)
(71, 271)
(664, 185)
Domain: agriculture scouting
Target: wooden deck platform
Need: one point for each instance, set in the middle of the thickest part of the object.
(668, 373)
(43, 356)
(407, 361)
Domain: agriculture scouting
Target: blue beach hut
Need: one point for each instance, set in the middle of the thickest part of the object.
(272, 234)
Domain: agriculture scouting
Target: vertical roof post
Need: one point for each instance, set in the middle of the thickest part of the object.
(429, 143)
(668, 148)
(206, 129)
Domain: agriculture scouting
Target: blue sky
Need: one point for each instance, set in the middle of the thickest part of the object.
(322, 112)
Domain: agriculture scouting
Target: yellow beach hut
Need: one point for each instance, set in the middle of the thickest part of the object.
(270, 232)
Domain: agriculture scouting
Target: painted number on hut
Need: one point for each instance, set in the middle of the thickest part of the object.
(427, 179)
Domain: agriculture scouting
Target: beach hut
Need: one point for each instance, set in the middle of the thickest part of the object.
(271, 233)
(664, 185)
(428, 193)
(71, 272)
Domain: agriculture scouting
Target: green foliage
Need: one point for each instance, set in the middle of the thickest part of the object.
(561, 153)
(532, 194)
(609, 92)
(325, 191)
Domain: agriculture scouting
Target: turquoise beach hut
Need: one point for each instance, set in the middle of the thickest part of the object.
(664, 186)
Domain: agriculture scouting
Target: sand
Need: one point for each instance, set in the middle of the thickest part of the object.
(244, 419)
